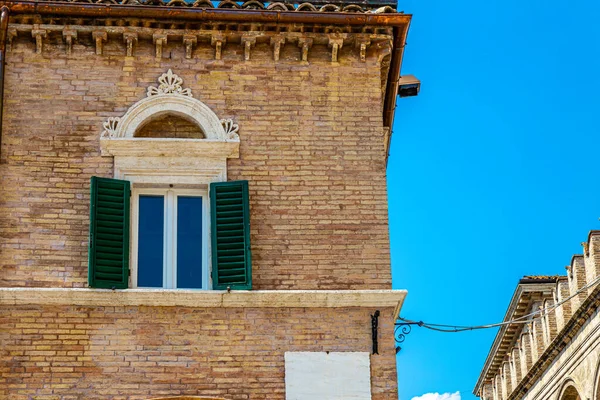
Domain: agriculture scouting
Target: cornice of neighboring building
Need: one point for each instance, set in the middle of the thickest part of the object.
(572, 302)
(560, 342)
(529, 289)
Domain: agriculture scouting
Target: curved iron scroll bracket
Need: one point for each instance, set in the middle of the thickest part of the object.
(401, 329)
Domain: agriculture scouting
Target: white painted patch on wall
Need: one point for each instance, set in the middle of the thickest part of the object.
(327, 376)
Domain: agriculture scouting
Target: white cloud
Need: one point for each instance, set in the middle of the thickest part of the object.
(437, 396)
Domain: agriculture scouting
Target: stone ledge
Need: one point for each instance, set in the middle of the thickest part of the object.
(169, 147)
(201, 299)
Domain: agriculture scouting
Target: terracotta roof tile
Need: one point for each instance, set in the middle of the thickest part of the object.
(543, 277)
(355, 6)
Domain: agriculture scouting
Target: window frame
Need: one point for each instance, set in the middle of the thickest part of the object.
(169, 235)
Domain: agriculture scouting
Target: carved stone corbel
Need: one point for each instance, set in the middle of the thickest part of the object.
(189, 41)
(159, 40)
(130, 39)
(335, 43)
(39, 35)
(277, 42)
(248, 41)
(385, 50)
(68, 36)
(386, 138)
(586, 248)
(361, 45)
(10, 35)
(305, 44)
(99, 37)
(218, 42)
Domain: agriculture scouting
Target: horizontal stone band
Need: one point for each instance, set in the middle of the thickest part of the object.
(200, 299)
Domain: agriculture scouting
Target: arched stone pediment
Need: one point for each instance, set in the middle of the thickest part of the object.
(167, 158)
(170, 98)
(185, 107)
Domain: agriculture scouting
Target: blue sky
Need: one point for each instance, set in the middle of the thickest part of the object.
(492, 169)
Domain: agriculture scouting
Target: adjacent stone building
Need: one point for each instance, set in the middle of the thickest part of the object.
(552, 350)
(193, 199)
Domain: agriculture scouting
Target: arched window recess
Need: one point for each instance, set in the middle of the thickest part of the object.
(569, 391)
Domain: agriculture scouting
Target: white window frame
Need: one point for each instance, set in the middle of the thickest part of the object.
(169, 234)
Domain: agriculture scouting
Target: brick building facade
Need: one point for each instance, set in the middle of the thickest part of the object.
(287, 106)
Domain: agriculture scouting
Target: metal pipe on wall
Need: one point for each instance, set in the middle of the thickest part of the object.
(4, 13)
(391, 90)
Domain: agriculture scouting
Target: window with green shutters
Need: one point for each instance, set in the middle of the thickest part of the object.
(109, 234)
(109, 247)
(230, 227)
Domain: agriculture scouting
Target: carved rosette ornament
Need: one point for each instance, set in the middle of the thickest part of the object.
(170, 97)
(170, 83)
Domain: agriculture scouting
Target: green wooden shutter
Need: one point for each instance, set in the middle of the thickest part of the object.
(230, 231)
(109, 234)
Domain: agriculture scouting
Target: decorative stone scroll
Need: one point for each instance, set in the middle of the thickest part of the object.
(169, 84)
(231, 129)
(110, 127)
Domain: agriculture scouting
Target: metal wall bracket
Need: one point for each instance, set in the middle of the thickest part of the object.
(402, 329)
(374, 328)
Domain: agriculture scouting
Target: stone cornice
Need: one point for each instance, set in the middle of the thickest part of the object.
(366, 43)
(210, 298)
(508, 334)
(560, 342)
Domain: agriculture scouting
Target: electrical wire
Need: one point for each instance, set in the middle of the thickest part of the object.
(525, 319)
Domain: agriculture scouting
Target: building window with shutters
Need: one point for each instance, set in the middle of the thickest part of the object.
(169, 239)
(169, 219)
(176, 236)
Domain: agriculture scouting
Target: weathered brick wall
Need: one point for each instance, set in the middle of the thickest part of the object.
(311, 146)
(170, 127)
(52, 352)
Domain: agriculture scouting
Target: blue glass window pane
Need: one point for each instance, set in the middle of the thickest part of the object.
(150, 241)
(189, 242)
